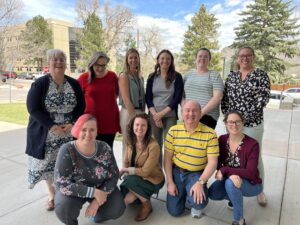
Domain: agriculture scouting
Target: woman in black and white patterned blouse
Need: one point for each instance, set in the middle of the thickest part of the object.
(247, 90)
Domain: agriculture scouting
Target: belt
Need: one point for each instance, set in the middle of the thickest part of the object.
(181, 170)
(138, 108)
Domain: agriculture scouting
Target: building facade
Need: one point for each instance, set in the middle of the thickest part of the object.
(63, 37)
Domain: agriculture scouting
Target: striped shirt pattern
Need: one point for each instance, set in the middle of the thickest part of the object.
(200, 88)
(190, 150)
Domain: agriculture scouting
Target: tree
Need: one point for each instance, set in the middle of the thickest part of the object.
(8, 11)
(269, 28)
(201, 33)
(36, 39)
(150, 46)
(91, 39)
(130, 42)
(117, 23)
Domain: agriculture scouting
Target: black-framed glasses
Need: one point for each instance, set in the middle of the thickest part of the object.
(100, 65)
(237, 122)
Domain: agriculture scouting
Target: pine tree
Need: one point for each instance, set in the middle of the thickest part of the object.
(201, 33)
(36, 39)
(269, 28)
(91, 39)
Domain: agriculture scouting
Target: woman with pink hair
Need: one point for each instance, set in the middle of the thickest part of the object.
(86, 171)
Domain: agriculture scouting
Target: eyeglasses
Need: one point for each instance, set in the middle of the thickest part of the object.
(237, 122)
(100, 65)
(62, 60)
(245, 56)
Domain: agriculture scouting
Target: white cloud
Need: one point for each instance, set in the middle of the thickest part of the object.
(171, 31)
(229, 19)
(188, 17)
(233, 2)
(216, 8)
(57, 9)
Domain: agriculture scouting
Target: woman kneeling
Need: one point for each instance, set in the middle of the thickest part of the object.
(237, 174)
(86, 171)
(143, 173)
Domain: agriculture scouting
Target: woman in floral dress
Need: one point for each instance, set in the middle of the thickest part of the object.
(54, 102)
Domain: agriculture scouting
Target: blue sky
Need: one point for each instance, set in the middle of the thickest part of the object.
(171, 16)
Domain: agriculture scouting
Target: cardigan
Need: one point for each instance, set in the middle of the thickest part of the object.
(39, 119)
(248, 154)
(178, 87)
(146, 162)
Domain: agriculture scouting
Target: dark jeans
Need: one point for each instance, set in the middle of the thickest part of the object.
(108, 138)
(209, 121)
(184, 182)
(67, 208)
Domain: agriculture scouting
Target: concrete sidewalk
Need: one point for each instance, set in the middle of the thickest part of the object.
(281, 154)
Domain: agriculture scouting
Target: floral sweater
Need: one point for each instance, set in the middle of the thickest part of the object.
(79, 175)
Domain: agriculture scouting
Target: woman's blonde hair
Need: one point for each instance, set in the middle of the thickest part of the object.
(126, 67)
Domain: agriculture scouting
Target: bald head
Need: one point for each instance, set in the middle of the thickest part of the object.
(191, 113)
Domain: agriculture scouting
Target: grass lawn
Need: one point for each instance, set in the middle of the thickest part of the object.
(14, 113)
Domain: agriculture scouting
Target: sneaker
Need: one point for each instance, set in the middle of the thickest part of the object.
(196, 213)
(230, 205)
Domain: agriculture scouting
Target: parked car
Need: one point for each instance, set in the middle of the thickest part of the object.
(276, 97)
(27, 76)
(38, 75)
(9, 75)
(294, 92)
(2, 78)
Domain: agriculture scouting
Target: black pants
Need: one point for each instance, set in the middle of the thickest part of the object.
(108, 138)
(209, 121)
(67, 208)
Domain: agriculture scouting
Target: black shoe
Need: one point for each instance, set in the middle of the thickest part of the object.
(230, 205)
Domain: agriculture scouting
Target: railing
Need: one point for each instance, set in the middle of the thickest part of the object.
(282, 87)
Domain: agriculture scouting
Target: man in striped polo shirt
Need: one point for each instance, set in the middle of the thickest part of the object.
(190, 159)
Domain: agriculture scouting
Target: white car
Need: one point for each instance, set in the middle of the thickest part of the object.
(38, 75)
(293, 92)
(276, 98)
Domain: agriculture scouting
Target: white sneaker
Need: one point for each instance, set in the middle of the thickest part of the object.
(196, 213)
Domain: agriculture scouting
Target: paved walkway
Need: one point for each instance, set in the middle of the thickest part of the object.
(281, 154)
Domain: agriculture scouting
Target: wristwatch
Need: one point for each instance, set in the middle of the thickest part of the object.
(201, 181)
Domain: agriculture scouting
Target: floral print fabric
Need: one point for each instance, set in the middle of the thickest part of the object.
(78, 175)
(248, 96)
(60, 103)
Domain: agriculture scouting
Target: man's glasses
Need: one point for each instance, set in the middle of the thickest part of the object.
(237, 122)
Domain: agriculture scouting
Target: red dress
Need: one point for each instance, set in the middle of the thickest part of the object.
(100, 99)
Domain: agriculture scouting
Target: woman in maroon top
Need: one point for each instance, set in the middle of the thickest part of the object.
(237, 174)
(100, 88)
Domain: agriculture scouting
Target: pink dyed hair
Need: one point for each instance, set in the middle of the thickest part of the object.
(80, 122)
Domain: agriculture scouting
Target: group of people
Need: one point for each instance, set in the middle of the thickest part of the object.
(73, 124)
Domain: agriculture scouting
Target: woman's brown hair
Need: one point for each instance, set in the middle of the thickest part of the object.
(131, 137)
(171, 74)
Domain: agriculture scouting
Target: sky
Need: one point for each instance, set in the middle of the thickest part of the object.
(171, 16)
